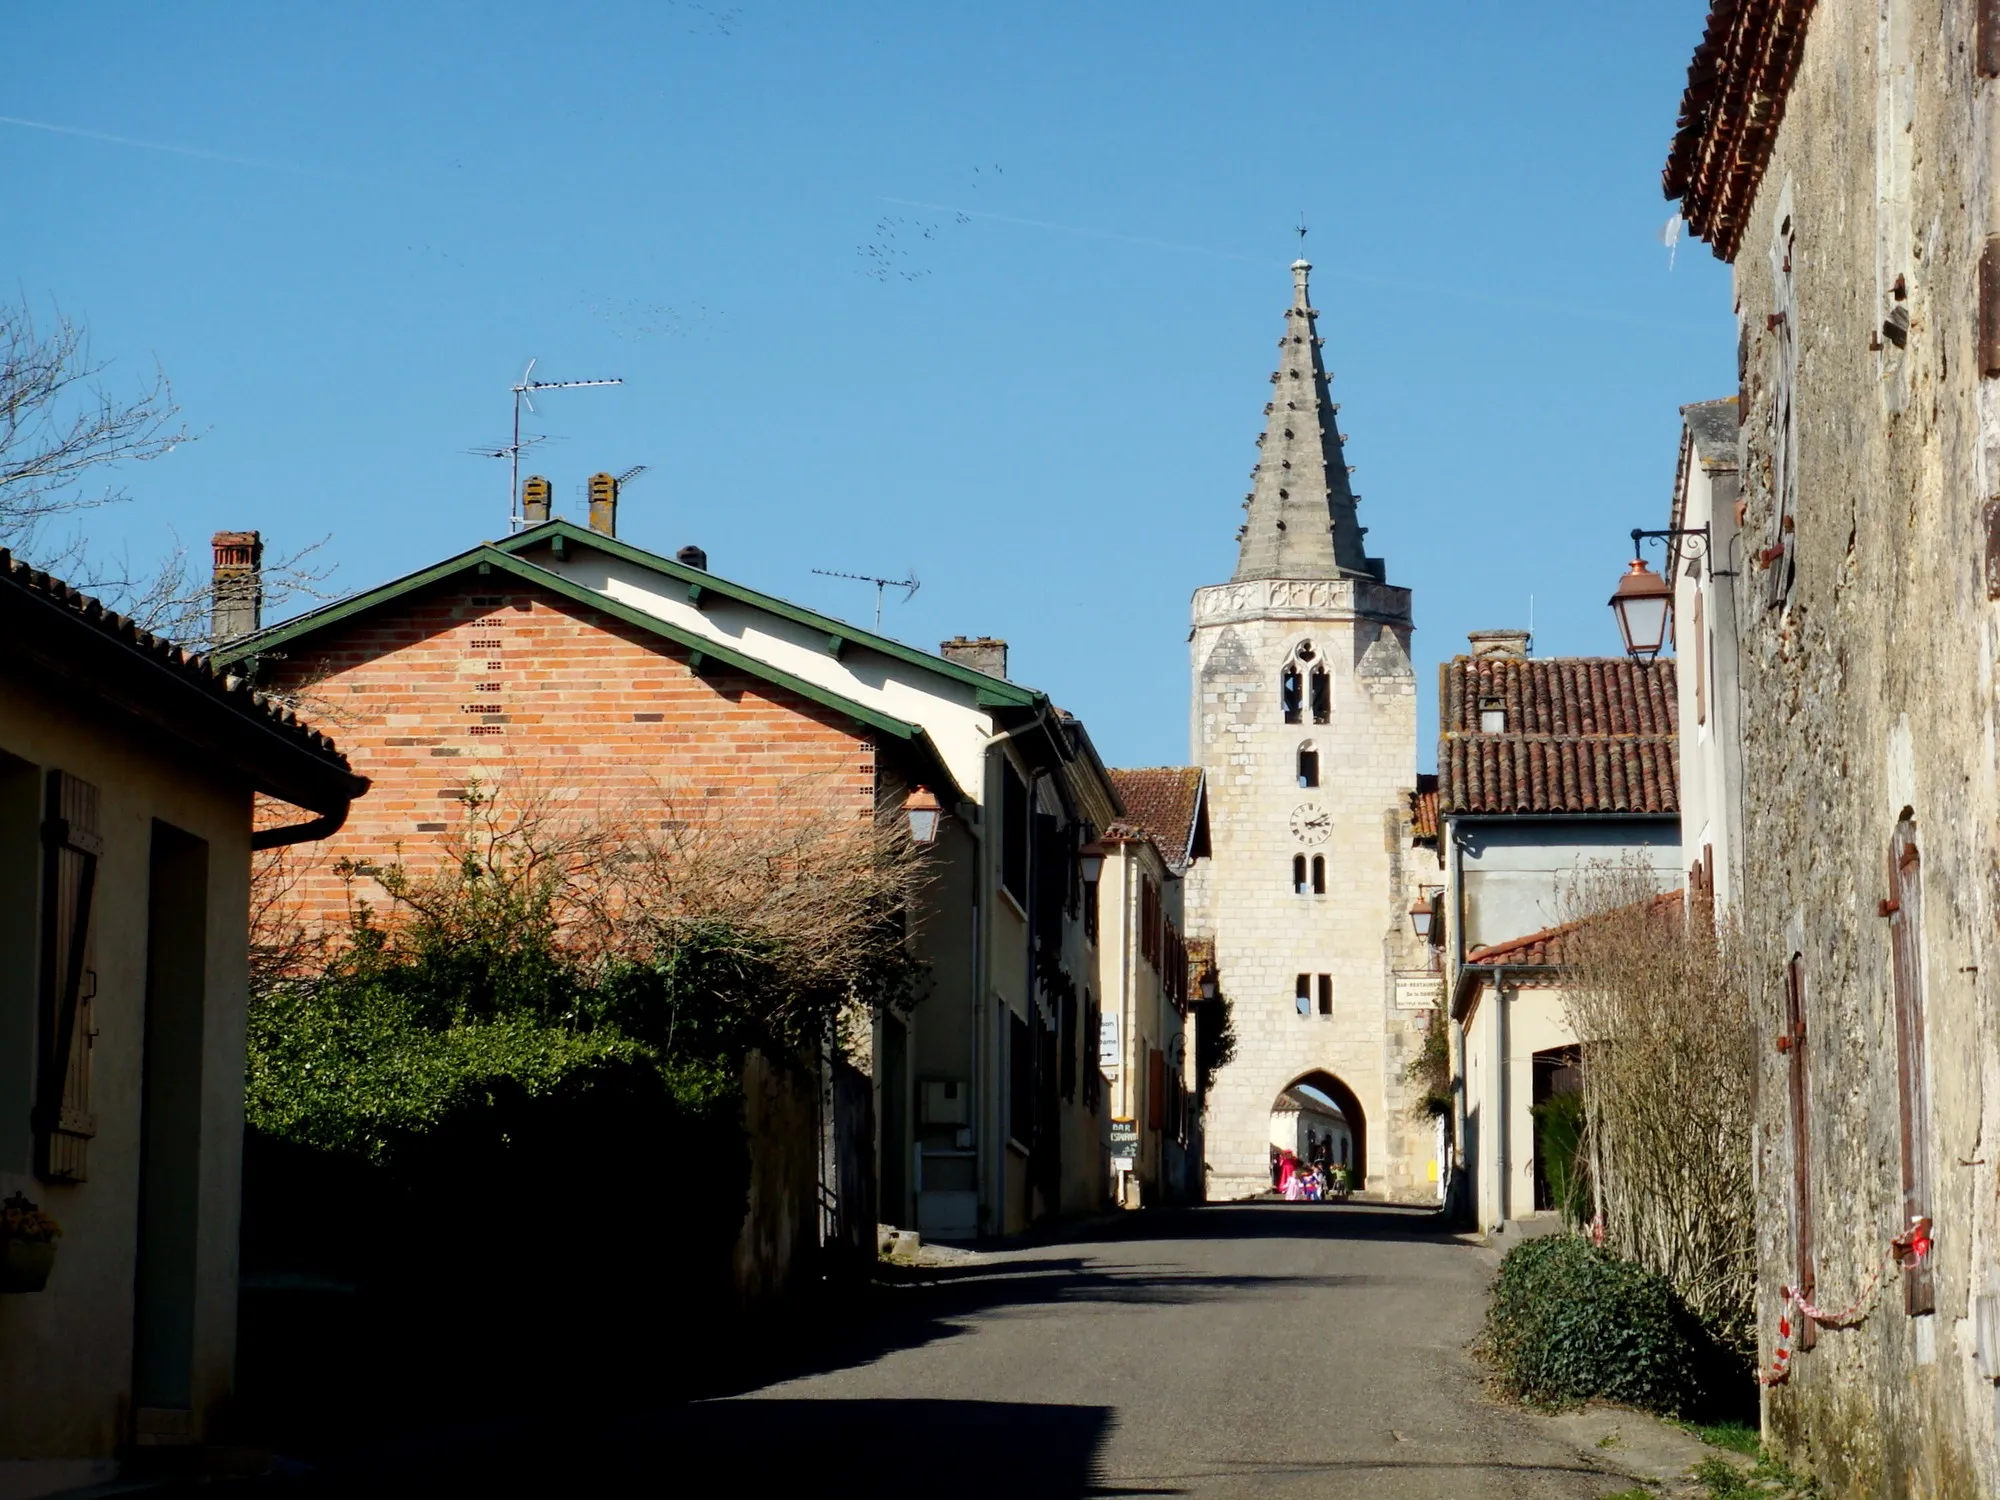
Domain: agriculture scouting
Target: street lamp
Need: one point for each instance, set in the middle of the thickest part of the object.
(1420, 917)
(1090, 862)
(924, 813)
(1642, 601)
(1208, 989)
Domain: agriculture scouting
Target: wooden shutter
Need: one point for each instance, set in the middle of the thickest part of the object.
(1799, 1090)
(1905, 909)
(1156, 1089)
(70, 847)
(1784, 432)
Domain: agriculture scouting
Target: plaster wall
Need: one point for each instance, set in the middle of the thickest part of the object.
(1868, 689)
(1265, 933)
(1503, 1032)
(1516, 875)
(66, 1353)
(1705, 640)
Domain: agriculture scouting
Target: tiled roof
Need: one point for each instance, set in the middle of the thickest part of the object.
(228, 689)
(1549, 947)
(1575, 735)
(1163, 803)
(1737, 82)
(1424, 810)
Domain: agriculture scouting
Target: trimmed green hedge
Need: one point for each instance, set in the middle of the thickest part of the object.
(1569, 1322)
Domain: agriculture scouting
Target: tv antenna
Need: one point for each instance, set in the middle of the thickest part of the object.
(524, 395)
(911, 584)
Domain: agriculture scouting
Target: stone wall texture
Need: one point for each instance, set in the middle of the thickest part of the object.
(1265, 933)
(1868, 692)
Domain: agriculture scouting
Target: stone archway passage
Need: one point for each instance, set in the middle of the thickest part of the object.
(1349, 1106)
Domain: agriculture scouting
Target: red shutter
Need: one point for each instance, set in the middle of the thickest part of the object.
(1799, 1088)
(1912, 1080)
(63, 1121)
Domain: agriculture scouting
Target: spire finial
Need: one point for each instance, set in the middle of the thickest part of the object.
(1301, 267)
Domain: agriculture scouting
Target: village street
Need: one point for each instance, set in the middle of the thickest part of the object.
(1251, 1350)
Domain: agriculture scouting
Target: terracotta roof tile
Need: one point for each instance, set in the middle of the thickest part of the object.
(1737, 83)
(1549, 947)
(1574, 735)
(1164, 804)
(1424, 810)
(228, 688)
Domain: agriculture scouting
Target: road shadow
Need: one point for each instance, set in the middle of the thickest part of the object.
(1267, 1218)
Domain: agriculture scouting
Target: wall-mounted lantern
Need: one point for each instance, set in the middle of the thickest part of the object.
(922, 809)
(1420, 917)
(1643, 600)
(1090, 863)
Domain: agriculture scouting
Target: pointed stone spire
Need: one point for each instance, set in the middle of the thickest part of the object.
(1301, 520)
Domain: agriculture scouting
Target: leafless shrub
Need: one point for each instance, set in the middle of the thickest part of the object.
(175, 596)
(1659, 999)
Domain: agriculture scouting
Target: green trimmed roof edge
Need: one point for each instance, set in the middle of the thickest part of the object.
(346, 609)
(993, 692)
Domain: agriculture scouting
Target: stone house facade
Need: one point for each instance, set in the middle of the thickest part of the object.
(1145, 1039)
(1304, 723)
(128, 769)
(1840, 156)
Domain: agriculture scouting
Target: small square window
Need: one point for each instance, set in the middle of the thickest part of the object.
(1305, 999)
(1326, 994)
(1492, 720)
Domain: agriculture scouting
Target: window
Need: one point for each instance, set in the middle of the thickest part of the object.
(1326, 994)
(1798, 1088)
(1299, 874)
(1090, 910)
(1291, 692)
(1292, 685)
(1020, 1081)
(1322, 696)
(1308, 765)
(1014, 824)
(1784, 426)
(1700, 663)
(1492, 716)
(1905, 910)
(64, 1123)
(1305, 994)
(1319, 874)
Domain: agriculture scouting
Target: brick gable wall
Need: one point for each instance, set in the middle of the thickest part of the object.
(524, 689)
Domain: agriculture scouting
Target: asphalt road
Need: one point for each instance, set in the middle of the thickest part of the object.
(1267, 1350)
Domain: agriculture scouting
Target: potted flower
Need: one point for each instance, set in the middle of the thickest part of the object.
(27, 1245)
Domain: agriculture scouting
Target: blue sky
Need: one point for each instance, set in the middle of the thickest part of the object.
(990, 293)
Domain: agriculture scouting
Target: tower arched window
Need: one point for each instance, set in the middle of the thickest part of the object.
(1319, 874)
(1322, 695)
(1296, 680)
(1308, 765)
(1299, 874)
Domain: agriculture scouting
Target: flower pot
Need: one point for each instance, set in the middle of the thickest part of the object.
(25, 1264)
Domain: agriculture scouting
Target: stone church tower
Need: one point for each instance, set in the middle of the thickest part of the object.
(1304, 718)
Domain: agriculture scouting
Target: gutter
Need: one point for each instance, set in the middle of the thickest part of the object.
(1470, 976)
(323, 827)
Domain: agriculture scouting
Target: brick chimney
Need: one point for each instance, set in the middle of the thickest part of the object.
(1502, 645)
(535, 492)
(604, 504)
(237, 589)
(982, 653)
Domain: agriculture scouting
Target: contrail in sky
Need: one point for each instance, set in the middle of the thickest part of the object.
(126, 140)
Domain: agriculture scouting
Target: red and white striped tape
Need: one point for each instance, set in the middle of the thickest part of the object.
(1909, 1249)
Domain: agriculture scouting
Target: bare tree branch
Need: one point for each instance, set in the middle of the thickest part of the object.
(59, 422)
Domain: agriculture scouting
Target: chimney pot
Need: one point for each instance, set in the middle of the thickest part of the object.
(692, 556)
(604, 504)
(236, 590)
(982, 653)
(1506, 645)
(535, 492)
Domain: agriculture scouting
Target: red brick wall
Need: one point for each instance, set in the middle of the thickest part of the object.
(523, 689)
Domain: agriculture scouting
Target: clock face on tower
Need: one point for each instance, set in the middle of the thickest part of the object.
(1310, 824)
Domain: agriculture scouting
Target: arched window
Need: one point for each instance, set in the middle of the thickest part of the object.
(1322, 696)
(1292, 683)
(1308, 765)
(1319, 874)
(1299, 873)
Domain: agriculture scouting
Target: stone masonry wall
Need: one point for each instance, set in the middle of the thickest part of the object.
(527, 693)
(1868, 689)
(1265, 933)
